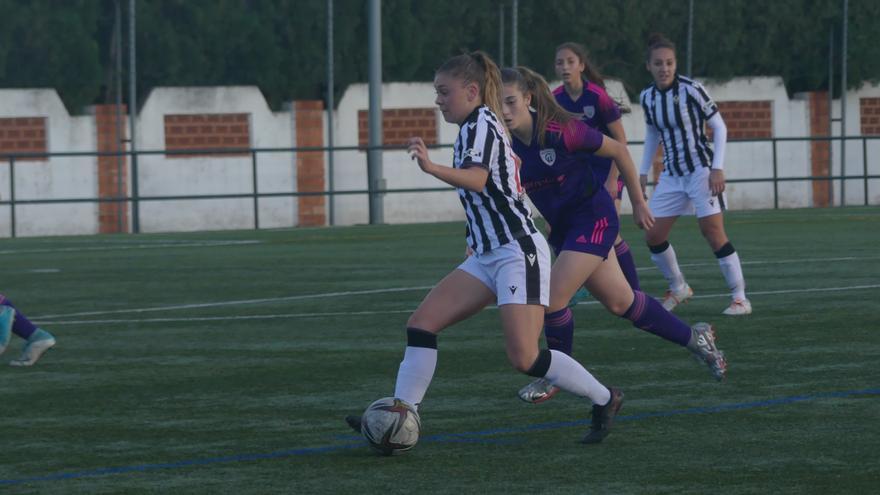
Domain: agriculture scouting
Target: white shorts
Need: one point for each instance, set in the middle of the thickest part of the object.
(517, 272)
(686, 195)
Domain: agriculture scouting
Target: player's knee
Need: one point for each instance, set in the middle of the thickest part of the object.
(557, 305)
(658, 247)
(654, 239)
(617, 306)
(715, 236)
(523, 361)
(417, 320)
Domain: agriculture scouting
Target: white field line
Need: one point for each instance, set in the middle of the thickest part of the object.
(398, 311)
(239, 302)
(161, 245)
(776, 262)
(363, 292)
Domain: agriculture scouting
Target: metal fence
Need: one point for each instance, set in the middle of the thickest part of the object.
(134, 199)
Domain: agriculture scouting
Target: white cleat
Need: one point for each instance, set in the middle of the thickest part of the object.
(538, 391)
(738, 307)
(40, 342)
(674, 298)
(702, 345)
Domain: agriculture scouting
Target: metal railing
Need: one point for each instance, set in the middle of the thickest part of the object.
(135, 198)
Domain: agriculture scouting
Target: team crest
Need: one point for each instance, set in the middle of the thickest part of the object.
(548, 156)
(589, 111)
(474, 154)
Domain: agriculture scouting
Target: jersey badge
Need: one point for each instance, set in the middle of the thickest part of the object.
(548, 156)
(589, 111)
(474, 154)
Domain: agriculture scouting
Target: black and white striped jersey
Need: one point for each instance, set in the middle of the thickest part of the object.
(679, 114)
(498, 214)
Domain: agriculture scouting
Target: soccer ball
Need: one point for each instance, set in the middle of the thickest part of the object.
(391, 426)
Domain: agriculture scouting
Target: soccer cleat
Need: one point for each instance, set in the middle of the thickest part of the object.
(738, 307)
(538, 391)
(40, 342)
(582, 294)
(7, 317)
(674, 298)
(354, 422)
(603, 417)
(702, 345)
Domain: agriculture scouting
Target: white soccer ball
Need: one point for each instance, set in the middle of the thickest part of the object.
(391, 426)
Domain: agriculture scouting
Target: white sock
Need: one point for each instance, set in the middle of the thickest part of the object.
(668, 265)
(569, 375)
(415, 374)
(733, 274)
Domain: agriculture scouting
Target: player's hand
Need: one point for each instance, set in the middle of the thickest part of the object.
(611, 187)
(643, 181)
(468, 250)
(716, 181)
(642, 215)
(419, 152)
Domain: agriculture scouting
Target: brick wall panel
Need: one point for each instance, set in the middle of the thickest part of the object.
(309, 122)
(819, 150)
(217, 131)
(400, 124)
(112, 174)
(23, 135)
(869, 110)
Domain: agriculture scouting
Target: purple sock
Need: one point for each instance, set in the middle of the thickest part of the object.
(648, 314)
(627, 264)
(22, 326)
(559, 330)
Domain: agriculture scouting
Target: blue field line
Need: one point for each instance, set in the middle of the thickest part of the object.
(463, 437)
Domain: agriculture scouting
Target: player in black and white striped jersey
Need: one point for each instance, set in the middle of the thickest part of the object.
(510, 263)
(496, 214)
(677, 109)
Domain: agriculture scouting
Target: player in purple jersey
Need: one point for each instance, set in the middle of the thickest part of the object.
(553, 146)
(37, 340)
(510, 264)
(583, 93)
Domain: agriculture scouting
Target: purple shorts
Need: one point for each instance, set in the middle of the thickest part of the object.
(592, 229)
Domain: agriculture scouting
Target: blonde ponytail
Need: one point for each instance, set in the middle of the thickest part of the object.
(491, 88)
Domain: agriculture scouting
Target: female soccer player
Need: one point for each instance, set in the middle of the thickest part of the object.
(37, 340)
(583, 93)
(554, 147)
(510, 263)
(676, 111)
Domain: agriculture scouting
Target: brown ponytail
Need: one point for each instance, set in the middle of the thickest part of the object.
(478, 67)
(545, 105)
(657, 40)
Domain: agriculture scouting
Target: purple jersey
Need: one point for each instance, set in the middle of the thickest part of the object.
(598, 110)
(557, 177)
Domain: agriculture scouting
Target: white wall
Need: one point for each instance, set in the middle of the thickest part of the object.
(163, 176)
(744, 160)
(855, 163)
(60, 177)
(350, 168)
(76, 177)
